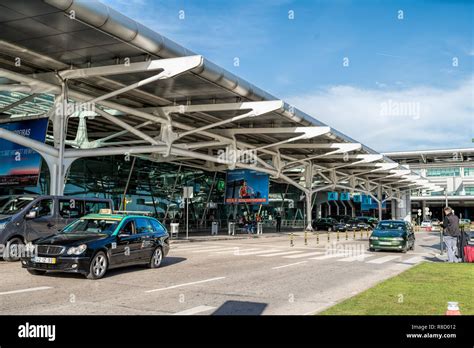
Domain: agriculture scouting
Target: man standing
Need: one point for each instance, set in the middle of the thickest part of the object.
(278, 222)
(451, 232)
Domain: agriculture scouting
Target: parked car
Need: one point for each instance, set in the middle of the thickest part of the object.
(368, 220)
(341, 227)
(353, 225)
(466, 224)
(27, 217)
(392, 235)
(426, 224)
(96, 243)
(328, 224)
(363, 226)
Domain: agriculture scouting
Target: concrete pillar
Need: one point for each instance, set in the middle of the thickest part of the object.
(404, 207)
(309, 213)
(393, 209)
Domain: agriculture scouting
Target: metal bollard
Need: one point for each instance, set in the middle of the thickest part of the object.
(291, 239)
(367, 233)
(361, 234)
(354, 234)
(317, 238)
(337, 234)
(346, 235)
(305, 238)
(328, 237)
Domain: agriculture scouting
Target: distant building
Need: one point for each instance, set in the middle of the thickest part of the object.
(452, 169)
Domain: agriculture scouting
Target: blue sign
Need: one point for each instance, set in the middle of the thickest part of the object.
(357, 198)
(246, 186)
(345, 196)
(20, 165)
(368, 204)
(332, 196)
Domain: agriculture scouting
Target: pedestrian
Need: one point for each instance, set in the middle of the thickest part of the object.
(451, 232)
(278, 222)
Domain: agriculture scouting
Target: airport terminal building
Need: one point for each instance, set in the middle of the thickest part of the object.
(95, 104)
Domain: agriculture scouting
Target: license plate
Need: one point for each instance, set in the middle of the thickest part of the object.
(39, 259)
(385, 243)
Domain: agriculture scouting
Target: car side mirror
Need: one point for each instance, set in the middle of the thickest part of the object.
(31, 215)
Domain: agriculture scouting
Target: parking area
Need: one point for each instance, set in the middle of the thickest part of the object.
(240, 276)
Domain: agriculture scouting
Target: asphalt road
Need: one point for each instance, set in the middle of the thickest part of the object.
(246, 276)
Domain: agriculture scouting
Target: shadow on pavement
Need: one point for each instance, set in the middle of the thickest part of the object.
(240, 308)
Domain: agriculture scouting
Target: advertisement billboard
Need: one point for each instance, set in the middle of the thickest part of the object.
(20, 165)
(246, 186)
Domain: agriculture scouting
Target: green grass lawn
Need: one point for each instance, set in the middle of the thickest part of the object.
(423, 289)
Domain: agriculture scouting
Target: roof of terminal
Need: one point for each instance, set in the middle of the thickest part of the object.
(50, 40)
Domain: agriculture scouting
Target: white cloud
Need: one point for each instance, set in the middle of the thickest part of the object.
(414, 118)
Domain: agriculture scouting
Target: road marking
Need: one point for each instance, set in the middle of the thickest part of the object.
(195, 310)
(25, 290)
(291, 264)
(283, 253)
(360, 257)
(235, 250)
(194, 247)
(328, 256)
(384, 259)
(211, 250)
(186, 284)
(303, 255)
(257, 252)
(413, 260)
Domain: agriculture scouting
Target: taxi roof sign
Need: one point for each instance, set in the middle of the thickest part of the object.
(105, 211)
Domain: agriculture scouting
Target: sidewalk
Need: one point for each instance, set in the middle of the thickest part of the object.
(206, 238)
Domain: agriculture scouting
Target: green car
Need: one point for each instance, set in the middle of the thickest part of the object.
(392, 235)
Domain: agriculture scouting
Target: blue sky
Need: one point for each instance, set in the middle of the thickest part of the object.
(407, 61)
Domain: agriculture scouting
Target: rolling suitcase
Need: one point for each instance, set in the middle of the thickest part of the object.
(469, 253)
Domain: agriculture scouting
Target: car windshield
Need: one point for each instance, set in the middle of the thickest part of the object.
(97, 226)
(391, 225)
(12, 205)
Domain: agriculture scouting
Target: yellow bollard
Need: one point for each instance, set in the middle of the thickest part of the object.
(361, 234)
(291, 239)
(317, 238)
(328, 237)
(337, 234)
(305, 238)
(367, 234)
(346, 235)
(354, 234)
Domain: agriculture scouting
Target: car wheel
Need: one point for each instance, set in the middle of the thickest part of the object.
(98, 266)
(36, 272)
(156, 258)
(12, 252)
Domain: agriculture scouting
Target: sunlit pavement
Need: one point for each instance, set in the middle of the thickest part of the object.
(244, 276)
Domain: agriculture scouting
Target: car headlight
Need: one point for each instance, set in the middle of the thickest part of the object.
(374, 238)
(77, 250)
(398, 238)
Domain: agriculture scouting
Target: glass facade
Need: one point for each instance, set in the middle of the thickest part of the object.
(469, 171)
(443, 172)
(158, 189)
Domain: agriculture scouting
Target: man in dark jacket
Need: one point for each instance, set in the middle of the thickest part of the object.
(451, 232)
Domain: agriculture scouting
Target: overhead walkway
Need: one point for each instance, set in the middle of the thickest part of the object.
(111, 86)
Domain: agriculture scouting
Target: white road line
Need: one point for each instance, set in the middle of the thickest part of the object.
(328, 256)
(25, 290)
(212, 250)
(283, 253)
(195, 247)
(186, 284)
(257, 252)
(236, 251)
(384, 259)
(360, 257)
(303, 255)
(413, 260)
(195, 310)
(291, 264)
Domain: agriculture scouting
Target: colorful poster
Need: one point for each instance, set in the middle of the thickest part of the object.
(20, 165)
(246, 186)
